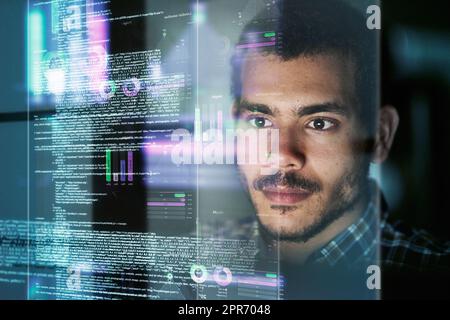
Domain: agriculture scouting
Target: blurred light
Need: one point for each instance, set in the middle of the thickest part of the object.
(199, 14)
(36, 46)
(56, 81)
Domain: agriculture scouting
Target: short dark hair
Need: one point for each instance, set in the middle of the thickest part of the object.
(310, 27)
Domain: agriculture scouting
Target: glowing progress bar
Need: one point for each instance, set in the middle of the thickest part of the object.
(165, 204)
(256, 45)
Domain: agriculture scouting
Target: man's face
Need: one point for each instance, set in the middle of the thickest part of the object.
(311, 102)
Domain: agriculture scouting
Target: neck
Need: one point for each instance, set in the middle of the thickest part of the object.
(299, 252)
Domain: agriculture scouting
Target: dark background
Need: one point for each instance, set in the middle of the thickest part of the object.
(416, 80)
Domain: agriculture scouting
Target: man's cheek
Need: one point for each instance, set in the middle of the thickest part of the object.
(331, 165)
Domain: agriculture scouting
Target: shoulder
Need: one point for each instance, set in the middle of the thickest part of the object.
(411, 248)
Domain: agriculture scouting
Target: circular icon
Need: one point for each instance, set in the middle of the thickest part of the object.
(107, 89)
(131, 87)
(97, 57)
(55, 72)
(55, 60)
(199, 273)
(222, 276)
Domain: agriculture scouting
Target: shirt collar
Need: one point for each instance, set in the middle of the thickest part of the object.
(356, 243)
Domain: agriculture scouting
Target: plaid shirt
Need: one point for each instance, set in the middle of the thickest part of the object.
(388, 243)
(404, 248)
(373, 239)
(356, 244)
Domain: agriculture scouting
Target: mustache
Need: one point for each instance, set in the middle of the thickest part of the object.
(286, 179)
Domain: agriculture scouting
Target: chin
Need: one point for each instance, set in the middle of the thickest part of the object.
(283, 233)
(293, 225)
(283, 225)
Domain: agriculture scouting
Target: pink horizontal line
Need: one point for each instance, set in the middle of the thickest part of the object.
(166, 204)
(256, 45)
(258, 283)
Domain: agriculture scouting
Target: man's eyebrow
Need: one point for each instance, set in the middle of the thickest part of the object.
(323, 107)
(245, 105)
(332, 107)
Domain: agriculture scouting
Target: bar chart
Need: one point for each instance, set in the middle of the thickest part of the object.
(119, 166)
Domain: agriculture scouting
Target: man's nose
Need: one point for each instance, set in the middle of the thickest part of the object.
(291, 152)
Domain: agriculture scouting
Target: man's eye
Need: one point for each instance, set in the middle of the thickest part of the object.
(321, 124)
(260, 122)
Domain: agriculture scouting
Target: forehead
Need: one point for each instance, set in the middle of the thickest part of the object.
(301, 81)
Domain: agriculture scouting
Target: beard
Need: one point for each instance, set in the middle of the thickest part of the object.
(349, 190)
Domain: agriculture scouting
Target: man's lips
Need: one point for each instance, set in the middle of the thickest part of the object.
(285, 196)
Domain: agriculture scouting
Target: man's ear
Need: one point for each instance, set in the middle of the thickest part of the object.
(387, 127)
